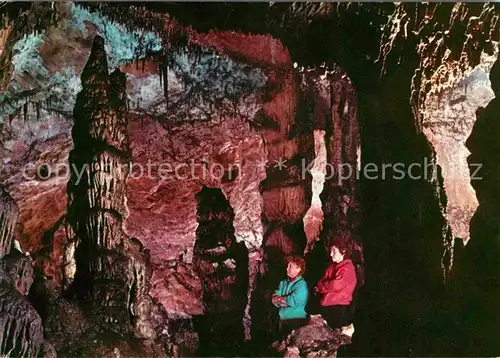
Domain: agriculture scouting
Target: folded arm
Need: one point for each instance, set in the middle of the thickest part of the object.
(298, 297)
(277, 294)
(332, 284)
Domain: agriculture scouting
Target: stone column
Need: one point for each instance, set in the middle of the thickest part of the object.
(110, 270)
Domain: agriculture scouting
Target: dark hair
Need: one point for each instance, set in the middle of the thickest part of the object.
(299, 261)
(344, 247)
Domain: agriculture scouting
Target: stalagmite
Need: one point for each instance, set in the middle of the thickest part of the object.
(254, 262)
(109, 269)
(224, 283)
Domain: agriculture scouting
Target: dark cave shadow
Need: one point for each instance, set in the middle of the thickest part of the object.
(476, 275)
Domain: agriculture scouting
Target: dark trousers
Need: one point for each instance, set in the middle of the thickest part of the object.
(288, 325)
(337, 316)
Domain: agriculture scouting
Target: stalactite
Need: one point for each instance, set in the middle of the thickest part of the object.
(335, 141)
(9, 213)
(342, 139)
(330, 105)
(446, 34)
(164, 67)
(352, 141)
(313, 219)
(447, 257)
(161, 69)
(37, 111)
(25, 110)
(23, 19)
(165, 83)
(451, 39)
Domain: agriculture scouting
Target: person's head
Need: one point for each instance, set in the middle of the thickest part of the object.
(339, 251)
(295, 266)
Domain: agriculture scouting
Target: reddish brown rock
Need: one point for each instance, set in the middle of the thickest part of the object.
(20, 269)
(277, 238)
(159, 212)
(260, 50)
(140, 68)
(287, 204)
(226, 155)
(36, 173)
(280, 108)
(178, 289)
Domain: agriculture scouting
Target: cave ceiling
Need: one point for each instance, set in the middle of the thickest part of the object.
(369, 38)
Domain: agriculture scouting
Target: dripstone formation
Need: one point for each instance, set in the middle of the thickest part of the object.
(21, 331)
(110, 270)
(222, 266)
(8, 218)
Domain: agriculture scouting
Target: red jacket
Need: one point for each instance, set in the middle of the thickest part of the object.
(338, 284)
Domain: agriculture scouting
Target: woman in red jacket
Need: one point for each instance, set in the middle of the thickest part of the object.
(336, 289)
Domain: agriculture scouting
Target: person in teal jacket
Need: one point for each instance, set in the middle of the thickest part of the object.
(291, 297)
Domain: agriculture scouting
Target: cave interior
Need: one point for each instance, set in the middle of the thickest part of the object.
(160, 162)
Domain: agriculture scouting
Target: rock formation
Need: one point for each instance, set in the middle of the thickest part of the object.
(111, 270)
(447, 122)
(315, 339)
(21, 331)
(19, 267)
(8, 218)
(222, 265)
(333, 108)
(293, 193)
(161, 183)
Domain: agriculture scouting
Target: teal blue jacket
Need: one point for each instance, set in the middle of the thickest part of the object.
(296, 294)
